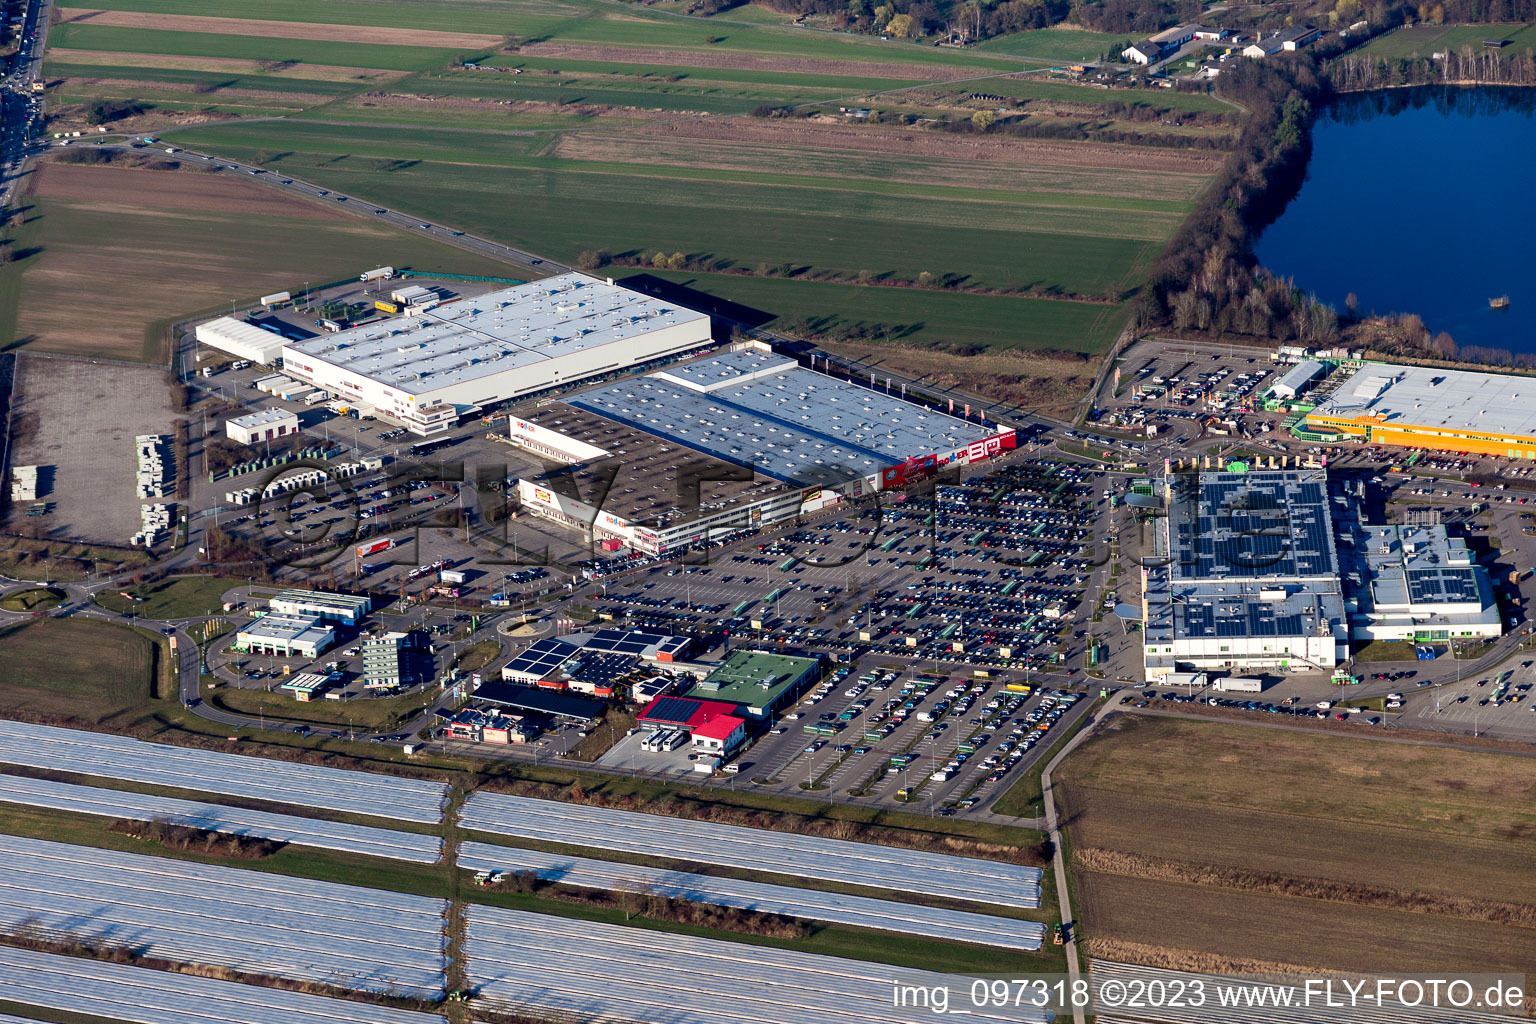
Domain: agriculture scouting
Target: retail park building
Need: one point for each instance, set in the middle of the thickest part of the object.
(740, 440)
(1274, 570)
(1430, 407)
(431, 368)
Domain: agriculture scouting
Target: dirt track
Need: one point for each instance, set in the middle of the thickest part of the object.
(277, 29)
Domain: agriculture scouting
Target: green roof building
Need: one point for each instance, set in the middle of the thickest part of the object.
(759, 682)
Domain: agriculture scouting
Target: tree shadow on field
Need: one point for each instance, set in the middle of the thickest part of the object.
(693, 298)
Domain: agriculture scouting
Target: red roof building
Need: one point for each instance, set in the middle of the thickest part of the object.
(684, 712)
(720, 734)
(712, 723)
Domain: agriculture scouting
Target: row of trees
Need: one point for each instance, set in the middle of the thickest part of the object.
(1208, 279)
(1361, 71)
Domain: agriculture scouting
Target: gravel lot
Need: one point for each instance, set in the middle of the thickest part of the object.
(76, 421)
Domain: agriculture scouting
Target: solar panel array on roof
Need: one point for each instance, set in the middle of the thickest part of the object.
(541, 658)
(1247, 612)
(671, 709)
(795, 425)
(673, 645)
(1438, 586)
(1254, 526)
(600, 668)
(544, 702)
(622, 641)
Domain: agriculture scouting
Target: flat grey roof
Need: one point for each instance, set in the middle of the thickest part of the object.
(323, 599)
(1299, 375)
(791, 424)
(727, 368)
(508, 329)
(648, 472)
(263, 417)
(287, 629)
(1466, 401)
(1390, 565)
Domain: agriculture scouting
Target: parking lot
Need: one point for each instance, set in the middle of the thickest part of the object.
(1177, 388)
(985, 573)
(1491, 704)
(888, 735)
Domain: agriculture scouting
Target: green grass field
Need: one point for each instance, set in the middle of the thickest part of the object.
(32, 599)
(207, 44)
(372, 714)
(1062, 44)
(181, 597)
(568, 154)
(1422, 40)
(947, 320)
(75, 668)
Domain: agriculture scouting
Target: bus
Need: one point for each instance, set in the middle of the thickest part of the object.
(425, 447)
(822, 729)
(901, 760)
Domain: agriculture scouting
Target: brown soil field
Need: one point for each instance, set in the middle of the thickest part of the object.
(225, 65)
(800, 134)
(278, 29)
(181, 195)
(1149, 824)
(148, 245)
(1301, 848)
(409, 101)
(1437, 790)
(141, 88)
(826, 160)
(68, 117)
(746, 61)
(1320, 934)
(1050, 385)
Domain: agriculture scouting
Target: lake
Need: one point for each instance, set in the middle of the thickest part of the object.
(1420, 201)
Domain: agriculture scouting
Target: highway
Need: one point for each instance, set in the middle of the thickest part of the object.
(18, 105)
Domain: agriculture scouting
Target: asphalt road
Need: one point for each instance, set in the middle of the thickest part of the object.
(16, 100)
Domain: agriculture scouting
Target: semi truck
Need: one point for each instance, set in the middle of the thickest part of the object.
(380, 274)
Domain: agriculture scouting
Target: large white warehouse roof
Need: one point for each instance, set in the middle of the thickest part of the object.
(240, 339)
(514, 328)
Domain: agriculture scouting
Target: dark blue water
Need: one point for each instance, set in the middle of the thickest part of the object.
(1421, 201)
